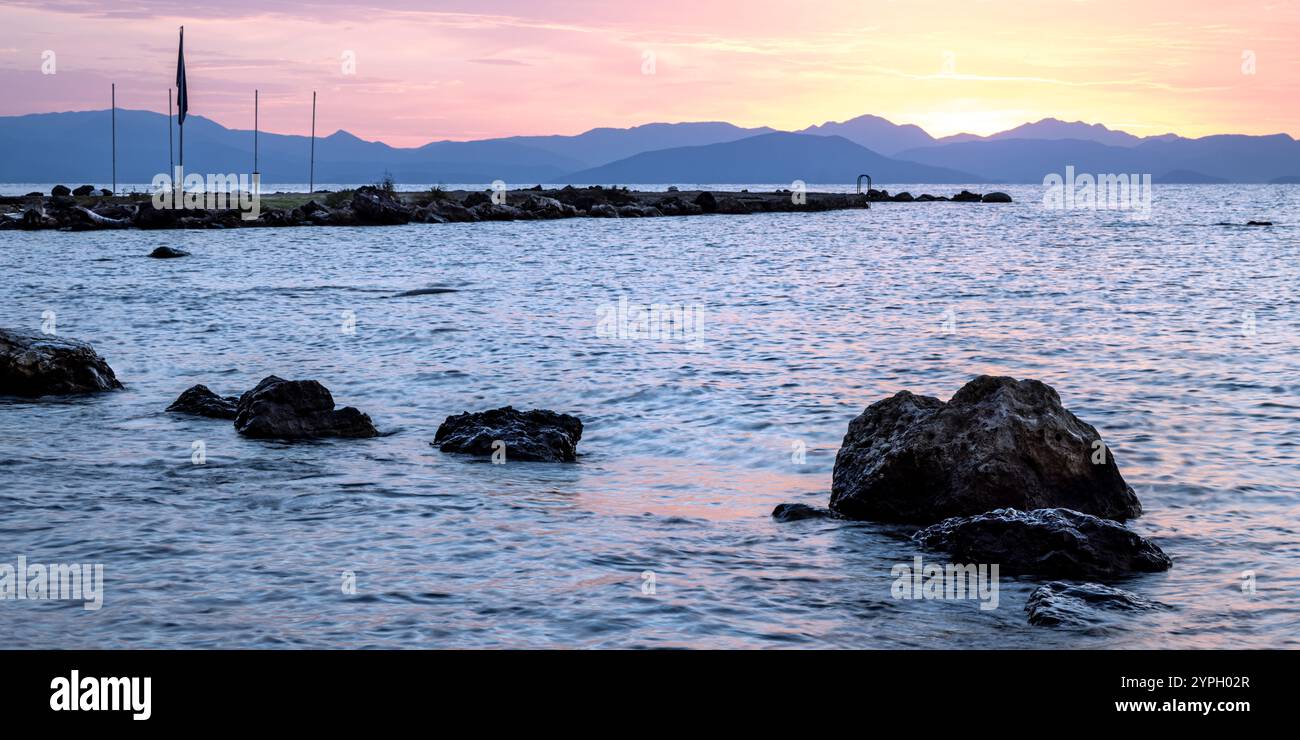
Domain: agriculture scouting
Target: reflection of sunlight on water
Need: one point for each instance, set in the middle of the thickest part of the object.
(808, 319)
(696, 489)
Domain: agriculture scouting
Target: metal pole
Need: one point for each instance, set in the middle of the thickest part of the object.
(171, 151)
(115, 138)
(311, 168)
(255, 132)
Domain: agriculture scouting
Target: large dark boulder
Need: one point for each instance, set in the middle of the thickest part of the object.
(1082, 604)
(374, 206)
(967, 196)
(84, 191)
(1000, 442)
(1048, 542)
(200, 401)
(33, 365)
(528, 435)
(996, 197)
(166, 253)
(60, 191)
(297, 409)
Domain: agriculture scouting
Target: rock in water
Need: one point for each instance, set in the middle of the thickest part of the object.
(528, 435)
(796, 512)
(996, 197)
(1049, 542)
(297, 409)
(34, 365)
(163, 253)
(1000, 442)
(1080, 604)
(200, 401)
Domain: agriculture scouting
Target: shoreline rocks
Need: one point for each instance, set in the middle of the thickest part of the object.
(34, 365)
(998, 443)
(1047, 542)
(297, 409)
(538, 435)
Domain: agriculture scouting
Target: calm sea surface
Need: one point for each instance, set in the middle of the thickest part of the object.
(1175, 336)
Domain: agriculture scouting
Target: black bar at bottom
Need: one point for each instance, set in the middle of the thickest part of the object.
(231, 689)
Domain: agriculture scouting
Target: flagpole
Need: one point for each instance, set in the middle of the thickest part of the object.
(183, 103)
(255, 132)
(171, 150)
(311, 168)
(114, 138)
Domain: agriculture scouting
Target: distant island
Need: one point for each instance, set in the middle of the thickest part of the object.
(75, 147)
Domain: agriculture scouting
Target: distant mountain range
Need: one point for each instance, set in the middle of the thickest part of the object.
(770, 158)
(74, 148)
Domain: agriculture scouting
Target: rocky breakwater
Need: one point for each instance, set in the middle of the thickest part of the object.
(83, 210)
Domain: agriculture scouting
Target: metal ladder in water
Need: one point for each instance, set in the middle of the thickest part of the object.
(868, 188)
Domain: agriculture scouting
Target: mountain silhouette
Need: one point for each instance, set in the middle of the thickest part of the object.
(75, 147)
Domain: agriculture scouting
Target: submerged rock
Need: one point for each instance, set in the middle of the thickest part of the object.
(1049, 542)
(297, 409)
(999, 442)
(996, 197)
(200, 401)
(434, 290)
(168, 253)
(528, 435)
(34, 365)
(796, 512)
(1081, 604)
(1259, 223)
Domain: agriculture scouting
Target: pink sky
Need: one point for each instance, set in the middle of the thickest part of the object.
(472, 69)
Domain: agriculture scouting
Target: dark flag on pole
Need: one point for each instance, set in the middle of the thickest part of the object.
(182, 90)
